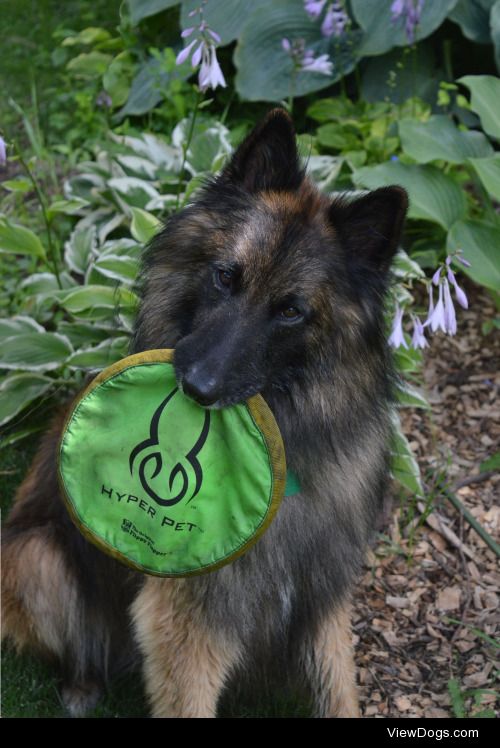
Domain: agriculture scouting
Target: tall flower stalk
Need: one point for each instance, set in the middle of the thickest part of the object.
(203, 52)
(53, 252)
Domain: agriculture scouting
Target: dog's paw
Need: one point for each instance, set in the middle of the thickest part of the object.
(80, 698)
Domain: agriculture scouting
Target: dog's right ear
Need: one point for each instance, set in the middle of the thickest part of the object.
(268, 158)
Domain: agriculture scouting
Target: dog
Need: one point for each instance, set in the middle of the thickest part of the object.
(262, 285)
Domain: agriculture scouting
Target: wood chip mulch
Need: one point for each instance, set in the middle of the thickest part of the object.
(426, 611)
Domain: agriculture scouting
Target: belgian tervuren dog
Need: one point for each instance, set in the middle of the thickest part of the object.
(262, 285)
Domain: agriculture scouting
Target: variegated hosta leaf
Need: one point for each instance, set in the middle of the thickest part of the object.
(35, 351)
(80, 248)
(144, 225)
(95, 296)
(100, 356)
(404, 466)
(324, 170)
(19, 390)
(404, 267)
(18, 325)
(411, 397)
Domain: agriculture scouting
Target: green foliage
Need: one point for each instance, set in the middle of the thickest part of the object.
(381, 34)
(485, 101)
(458, 699)
(479, 243)
(140, 9)
(434, 196)
(266, 72)
(84, 324)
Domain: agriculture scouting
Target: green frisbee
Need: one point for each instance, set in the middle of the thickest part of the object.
(162, 484)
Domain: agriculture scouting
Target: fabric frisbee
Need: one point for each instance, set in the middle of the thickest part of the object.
(162, 484)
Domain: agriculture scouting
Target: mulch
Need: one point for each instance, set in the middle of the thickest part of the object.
(430, 591)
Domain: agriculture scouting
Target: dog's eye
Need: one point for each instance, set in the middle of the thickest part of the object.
(290, 313)
(224, 277)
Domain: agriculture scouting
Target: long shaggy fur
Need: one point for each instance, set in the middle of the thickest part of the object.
(326, 375)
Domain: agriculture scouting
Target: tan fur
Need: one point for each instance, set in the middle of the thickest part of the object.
(331, 668)
(36, 587)
(185, 663)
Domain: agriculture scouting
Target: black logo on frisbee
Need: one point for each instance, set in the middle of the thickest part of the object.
(154, 456)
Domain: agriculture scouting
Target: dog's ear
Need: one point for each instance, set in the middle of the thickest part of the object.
(267, 159)
(370, 226)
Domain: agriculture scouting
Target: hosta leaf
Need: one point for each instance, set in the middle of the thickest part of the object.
(19, 390)
(35, 352)
(473, 17)
(80, 248)
(495, 31)
(140, 9)
(324, 170)
(266, 71)
(83, 334)
(140, 167)
(18, 325)
(410, 397)
(485, 100)
(440, 139)
(44, 282)
(488, 171)
(88, 297)
(434, 196)
(101, 355)
(153, 148)
(479, 243)
(381, 33)
(404, 466)
(118, 267)
(19, 240)
(404, 267)
(226, 18)
(144, 225)
(134, 191)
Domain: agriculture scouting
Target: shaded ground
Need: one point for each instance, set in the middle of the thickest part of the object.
(425, 612)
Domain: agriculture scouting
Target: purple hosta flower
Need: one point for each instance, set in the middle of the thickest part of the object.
(464, 262)
(442, 316)
(459, 292)
(3, 152)
(418, 338)
(397, 338)
(304, 60)
(450, 319)
(321, 64)
(411, 12)
(335, 20)
(210, 74)
(435, 318)
(314, 8)
(104, 100)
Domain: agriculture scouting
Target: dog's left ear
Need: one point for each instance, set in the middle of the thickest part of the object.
(268, 158)
(370, 226)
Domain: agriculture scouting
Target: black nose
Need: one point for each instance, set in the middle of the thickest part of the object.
(200, 387)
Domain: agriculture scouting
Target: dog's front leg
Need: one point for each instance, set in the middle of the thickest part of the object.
(329, 665)
(185, 662)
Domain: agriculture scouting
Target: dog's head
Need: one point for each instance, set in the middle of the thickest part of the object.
(264, 277)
